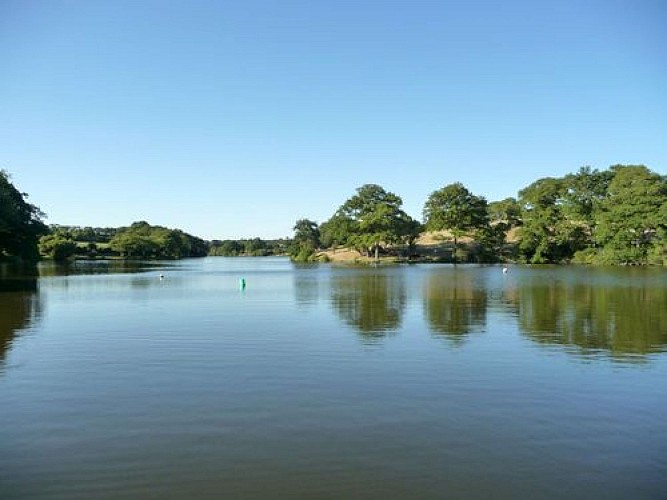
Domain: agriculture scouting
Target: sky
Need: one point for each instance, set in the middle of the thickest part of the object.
(235, 119)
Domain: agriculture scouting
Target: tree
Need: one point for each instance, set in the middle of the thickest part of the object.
(507, 211)
(457, 210)
(633, 216)
(307, 232)
(552, 231)
(583, 194)
(541, 214)
(58, 246)
(306, 240)
(375, 219)
(336, 231)
(20, 223)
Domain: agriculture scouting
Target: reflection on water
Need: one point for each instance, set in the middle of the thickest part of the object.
(87, 267)
(306, 284)
(186, 387)
(371, 301)
(20, 305)
(621, 320)
(455, 302)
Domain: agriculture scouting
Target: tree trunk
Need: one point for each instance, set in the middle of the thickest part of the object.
(376, 252)
(455, 248)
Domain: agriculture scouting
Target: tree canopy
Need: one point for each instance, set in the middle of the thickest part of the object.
(373, 218)
(306, 240)
(632, 217)
(20, 223)
(457, 210)
(616, 216)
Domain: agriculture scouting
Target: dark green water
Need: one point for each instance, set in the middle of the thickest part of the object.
(329, 382)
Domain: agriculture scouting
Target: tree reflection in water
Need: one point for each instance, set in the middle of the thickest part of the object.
(624, 321)
(372, 301)
(306, 285)
(455, 303)
(19, 306)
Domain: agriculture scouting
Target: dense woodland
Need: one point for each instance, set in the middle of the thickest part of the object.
(616, 216)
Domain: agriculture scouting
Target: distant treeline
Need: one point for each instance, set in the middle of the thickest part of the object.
(144, 241)
(255, 247)
(616, 216)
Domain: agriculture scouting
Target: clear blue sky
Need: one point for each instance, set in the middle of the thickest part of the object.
(234, 119)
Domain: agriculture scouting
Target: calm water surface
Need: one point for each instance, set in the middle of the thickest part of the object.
(332, 382)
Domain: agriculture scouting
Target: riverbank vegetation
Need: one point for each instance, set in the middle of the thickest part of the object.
(138, 241)
(616, 216)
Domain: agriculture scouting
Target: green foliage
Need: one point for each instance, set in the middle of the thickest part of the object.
(632, 216)
(20, 223)
(583, 194)
(336, 230)
(609, 217)
(490, 244)
(226, 248)
(255, 247)
(372, 219)
(657, 253)
(141, 240)
(554, 224)
(87, 234)
(507, 211)
(305, 242)
(303, 253)
(58, 246)
(457, 210)
(586, 256)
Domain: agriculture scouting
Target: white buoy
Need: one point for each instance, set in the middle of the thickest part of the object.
(161, 276)
(505, 270)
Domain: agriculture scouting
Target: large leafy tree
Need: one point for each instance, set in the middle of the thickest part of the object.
(548, 234)
(376, 219)
(583, 194)
(336, 231)
(457, 210)
(307, 232)
(306, 240)
(632, 218)
(20, 223)
(556, 223)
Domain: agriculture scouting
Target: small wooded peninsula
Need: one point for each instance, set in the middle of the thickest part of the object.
(616, 216)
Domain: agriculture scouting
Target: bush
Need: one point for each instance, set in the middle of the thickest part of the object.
(586, 256)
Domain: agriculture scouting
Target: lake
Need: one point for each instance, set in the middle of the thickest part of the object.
(411, 381)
